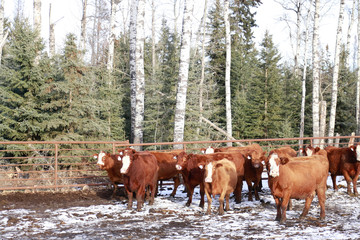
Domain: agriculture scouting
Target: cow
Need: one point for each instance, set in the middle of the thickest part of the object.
(167, 169)
(140, 170)
(298, 178)
(284, 152)
(191, 162)
(344, 161)
(112, 165)
(308, 150)
(254, 155)
(220, 179)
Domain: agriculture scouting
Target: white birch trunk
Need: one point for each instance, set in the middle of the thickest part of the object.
(351, 25)
(179, 123)
(334, 90)
(83, 27)
(110, 62)
(322, 122)
(132, 50)
(37, 16)
(358, 75)
(51, 34)
(140, 74)
(201, 85)
(303, 84)
(316, 74)
(298, 39)
(227, 73)
(153, 43)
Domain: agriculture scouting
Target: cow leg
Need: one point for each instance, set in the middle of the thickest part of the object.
(256, 189)
(209, 200)
(321, 197)
(308, 201)
(140, 197)
(250, 187)
(238, 190)
(130, 198)
(190, 194)
(176, 184)
(221, 202)
(278, 209)
(284, 205)
(202, 193)
(355, 179)
(289, 205)
(227, 197)
(348, 181)
(333, 178)
(114, 190)
(152, 189)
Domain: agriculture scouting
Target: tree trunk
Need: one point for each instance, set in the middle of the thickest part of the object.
(179, 123)
(83, 27)
(322, 122)
(201, 85)
(140, 74)
(132, 50)
(51, 35)
(334, 90)
(316, 74)
(351, 25)
(37, 24)
(303, 85)
(110, 62)
(227, 72)
(358, 75)
(298, 39)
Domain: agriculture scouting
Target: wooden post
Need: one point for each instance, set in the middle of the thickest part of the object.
(352, 139)
(56, 167)
(337, 140)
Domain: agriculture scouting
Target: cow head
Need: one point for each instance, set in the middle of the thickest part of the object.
(208, 172)
(181, 160)
(356, 149)
(273, 165)
(256, 158)
(100, 159)
(126, 156)
(208, 150)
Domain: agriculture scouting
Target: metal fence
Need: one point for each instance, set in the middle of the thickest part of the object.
(62, 164)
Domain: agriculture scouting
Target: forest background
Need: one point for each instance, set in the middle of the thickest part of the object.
(77, 92)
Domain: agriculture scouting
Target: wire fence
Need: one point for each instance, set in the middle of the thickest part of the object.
(70, 164)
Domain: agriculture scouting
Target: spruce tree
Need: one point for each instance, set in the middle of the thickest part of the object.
(20, 81)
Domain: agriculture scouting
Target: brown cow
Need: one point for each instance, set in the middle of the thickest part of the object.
(254, 155)
(112, 165)
(308, 150)
(344, 161)
(167, 169)
(220, 179)
(187, 162)
(298, 178)
(140, 170)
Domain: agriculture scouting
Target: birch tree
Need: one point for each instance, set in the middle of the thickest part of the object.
(179, 123)
(51, 34)
(37, 16)
(334, 90)
(83, 27)
(132, 50)
(227, 72)
(140, 74)
(3, 35)
(303, 84)
(351, 25)
(110, 61)
(316, 74)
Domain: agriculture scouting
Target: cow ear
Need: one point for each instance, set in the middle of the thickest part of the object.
(218, 165)
(95, 156)
(352, 148)
(248, 157)
(201, 166)
(317, 149)
(284, 160)
(202, 150)
(175, 157)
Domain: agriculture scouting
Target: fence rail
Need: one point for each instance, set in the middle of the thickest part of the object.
(30, 165)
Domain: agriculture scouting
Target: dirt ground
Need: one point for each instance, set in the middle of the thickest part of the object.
(44, 200)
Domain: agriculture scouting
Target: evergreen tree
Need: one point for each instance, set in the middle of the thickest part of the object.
(265, 94)
(20, 82)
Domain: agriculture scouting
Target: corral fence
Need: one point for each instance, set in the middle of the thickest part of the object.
(70, 164)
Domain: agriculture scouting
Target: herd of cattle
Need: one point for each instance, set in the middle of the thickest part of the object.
(221, 171)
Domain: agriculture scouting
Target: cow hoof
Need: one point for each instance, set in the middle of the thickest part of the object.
(187, 204)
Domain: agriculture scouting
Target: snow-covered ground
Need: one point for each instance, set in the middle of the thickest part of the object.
(168, 218)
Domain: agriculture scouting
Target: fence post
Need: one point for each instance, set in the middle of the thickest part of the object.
(337, 140)
(56, 167)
